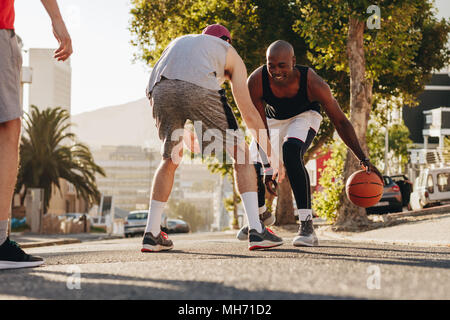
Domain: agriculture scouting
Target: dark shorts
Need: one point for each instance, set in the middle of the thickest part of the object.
(176, 101)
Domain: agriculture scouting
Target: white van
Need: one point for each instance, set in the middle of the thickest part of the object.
(432, 187)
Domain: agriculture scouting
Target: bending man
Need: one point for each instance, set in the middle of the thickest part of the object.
(186, 84)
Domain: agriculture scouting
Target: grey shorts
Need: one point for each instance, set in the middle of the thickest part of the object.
(176, 101)
(10, 67)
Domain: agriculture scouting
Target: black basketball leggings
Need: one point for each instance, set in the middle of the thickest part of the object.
(293, 152)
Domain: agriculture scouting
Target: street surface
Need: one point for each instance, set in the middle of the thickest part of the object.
(217, 266)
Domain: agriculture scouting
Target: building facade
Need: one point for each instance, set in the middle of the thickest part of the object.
(429, 125)
(129, 174)
(51, 80)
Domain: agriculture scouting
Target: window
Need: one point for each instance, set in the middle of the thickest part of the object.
(430, 184)
(443, 182)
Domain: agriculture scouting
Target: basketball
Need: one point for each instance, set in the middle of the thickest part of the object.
(364, 189)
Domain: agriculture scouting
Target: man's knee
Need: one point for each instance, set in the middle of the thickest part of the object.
(245, 167)
(292, 150)
(169, 164)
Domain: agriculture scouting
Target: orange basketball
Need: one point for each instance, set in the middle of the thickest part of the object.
(364, 189)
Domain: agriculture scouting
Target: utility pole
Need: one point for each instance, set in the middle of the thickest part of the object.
(386, 147)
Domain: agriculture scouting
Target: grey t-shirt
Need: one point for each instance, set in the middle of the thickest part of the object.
(195, 58)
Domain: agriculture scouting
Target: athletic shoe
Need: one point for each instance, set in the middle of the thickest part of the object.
(266, 218)
(13, 257)
(306, 235)
(265, 239)
(159, 243)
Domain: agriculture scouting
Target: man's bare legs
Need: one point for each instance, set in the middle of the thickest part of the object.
(161, 189)
(9, 161)
(163, 182)
(246, 182)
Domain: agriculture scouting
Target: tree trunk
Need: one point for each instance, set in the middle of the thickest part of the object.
(285, 208)
(349, 216)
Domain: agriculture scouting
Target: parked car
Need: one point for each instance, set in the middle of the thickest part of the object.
(137, 221)
(432, 187)
(177, 226)
(405, 185)
(391, 201)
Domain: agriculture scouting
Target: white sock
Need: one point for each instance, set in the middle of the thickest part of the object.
(154, 217)
(3, 230)
(303, 214)
(250, 202)
(262, 209)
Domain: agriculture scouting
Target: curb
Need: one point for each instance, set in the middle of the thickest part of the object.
(49, 243)
(59, 242)
(422, 212)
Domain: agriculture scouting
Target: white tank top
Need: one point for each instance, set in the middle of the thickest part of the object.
(195, 58)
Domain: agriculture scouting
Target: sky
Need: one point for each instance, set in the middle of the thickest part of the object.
(101, 43)
(102, 48)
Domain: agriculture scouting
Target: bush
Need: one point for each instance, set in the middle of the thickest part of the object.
(325, 202)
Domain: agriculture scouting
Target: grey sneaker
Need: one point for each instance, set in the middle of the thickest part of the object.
(306, 235)
(159, 243)
(266, 218)
(265, 239)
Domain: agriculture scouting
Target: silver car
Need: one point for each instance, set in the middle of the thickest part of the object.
(137, 221)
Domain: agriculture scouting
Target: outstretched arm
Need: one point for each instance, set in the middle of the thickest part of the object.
(254, 84)
(237, 71)
(318, 90)
(59, 30)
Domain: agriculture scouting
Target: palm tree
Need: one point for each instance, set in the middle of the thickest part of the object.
(49, 153)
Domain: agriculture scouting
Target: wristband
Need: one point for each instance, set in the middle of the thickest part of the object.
(365, 162)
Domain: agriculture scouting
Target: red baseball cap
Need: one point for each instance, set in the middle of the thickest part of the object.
(217, 30)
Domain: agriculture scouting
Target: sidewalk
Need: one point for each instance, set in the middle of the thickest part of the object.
(427, 227)
(31, 240)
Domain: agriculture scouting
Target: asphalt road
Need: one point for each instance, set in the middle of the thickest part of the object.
(217, 266)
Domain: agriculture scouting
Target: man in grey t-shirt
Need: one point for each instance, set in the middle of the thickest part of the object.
(185, 84)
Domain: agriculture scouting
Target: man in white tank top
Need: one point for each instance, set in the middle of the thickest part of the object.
(185, 84)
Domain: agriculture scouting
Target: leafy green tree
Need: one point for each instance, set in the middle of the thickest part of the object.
(399, 142)
(394, 61)
(49, 152)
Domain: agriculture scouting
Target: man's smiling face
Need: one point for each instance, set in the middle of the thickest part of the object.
(280, 60)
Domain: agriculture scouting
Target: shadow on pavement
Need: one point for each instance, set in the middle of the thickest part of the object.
(33, 284)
